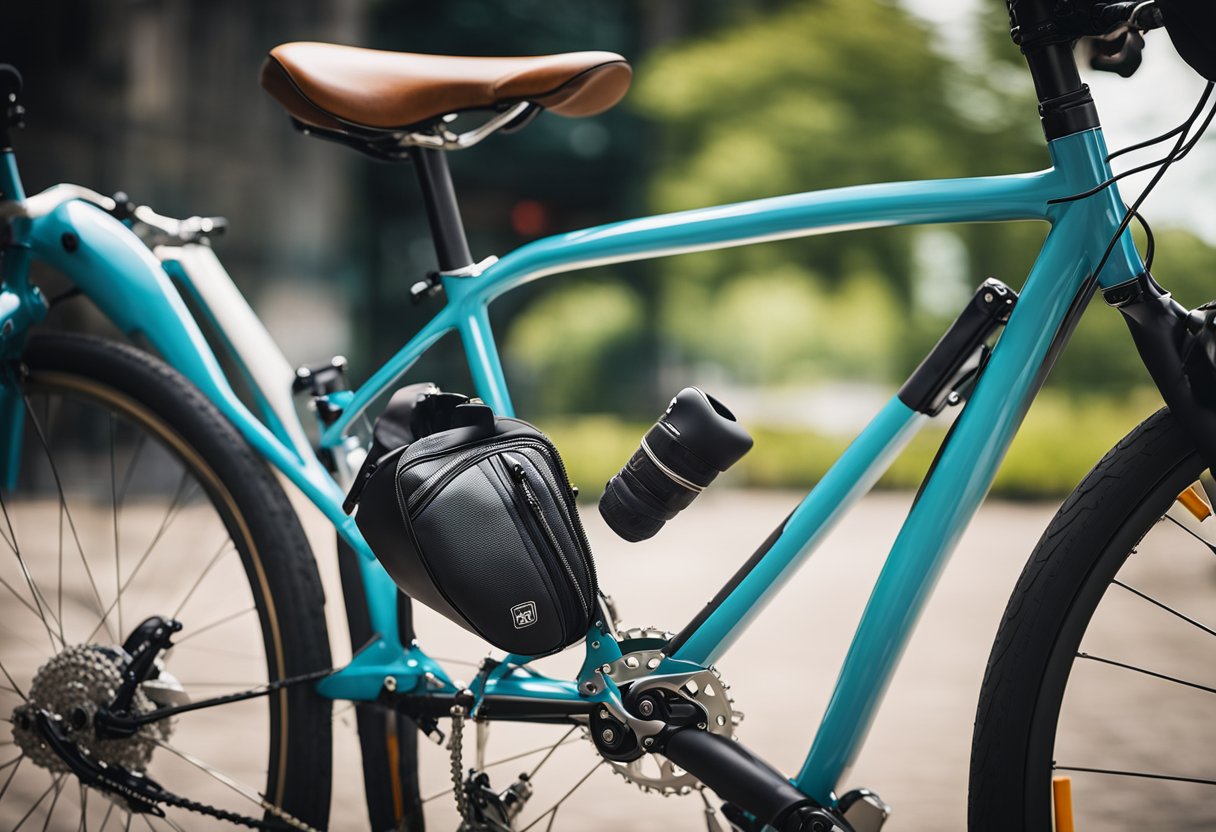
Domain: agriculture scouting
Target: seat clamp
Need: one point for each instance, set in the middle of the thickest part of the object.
(472, 270)
(441, 138)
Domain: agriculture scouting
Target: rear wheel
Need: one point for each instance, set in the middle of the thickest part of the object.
(136, 498)
(1102, 667)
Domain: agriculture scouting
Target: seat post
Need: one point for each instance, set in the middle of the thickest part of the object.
(442, 212)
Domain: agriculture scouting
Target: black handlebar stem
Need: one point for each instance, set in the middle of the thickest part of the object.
(1046, 31)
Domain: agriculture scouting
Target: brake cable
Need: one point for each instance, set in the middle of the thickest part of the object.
(1181, 149)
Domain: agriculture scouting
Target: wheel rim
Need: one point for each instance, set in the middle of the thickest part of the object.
(115, 518)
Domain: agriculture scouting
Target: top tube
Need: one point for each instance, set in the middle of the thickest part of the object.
(1079, 163)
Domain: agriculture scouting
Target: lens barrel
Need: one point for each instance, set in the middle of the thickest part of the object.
(696, 439)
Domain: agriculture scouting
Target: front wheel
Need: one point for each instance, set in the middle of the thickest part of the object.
(1102, 668)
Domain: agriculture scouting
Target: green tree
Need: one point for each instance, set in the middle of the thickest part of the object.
(826, 93)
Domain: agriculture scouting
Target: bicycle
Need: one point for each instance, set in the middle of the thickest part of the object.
(114, 719)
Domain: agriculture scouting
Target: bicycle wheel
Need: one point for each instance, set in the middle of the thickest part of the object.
(136, 499)
(1101, 668)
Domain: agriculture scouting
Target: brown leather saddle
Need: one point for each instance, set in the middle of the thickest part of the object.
(346, 91)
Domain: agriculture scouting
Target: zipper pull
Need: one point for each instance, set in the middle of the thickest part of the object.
(521, 477)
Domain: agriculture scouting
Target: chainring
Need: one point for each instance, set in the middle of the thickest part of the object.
(641, 653)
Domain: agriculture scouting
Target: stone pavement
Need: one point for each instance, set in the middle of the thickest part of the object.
(782, 669)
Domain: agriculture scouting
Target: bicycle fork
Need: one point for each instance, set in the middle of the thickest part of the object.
(1179, 350)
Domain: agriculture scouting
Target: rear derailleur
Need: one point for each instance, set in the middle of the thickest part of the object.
(491, 811)
(481, 808)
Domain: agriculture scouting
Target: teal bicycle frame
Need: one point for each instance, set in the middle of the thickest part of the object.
(135, 291)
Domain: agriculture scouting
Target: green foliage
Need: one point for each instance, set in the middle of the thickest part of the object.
(771, 105)
(556, 345)
(808, 331)
(1061, 439)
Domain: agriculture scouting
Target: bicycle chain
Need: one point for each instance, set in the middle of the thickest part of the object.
(162, 797)
(456, 747)
(156, 795)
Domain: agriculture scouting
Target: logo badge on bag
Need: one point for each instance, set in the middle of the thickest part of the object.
(524, 614)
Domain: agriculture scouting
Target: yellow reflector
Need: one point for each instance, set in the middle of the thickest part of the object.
(1195, 503)
(1061, 791)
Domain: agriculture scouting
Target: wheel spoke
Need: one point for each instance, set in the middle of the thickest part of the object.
(243, 790)
(1165, 607)
(105, 819)
(140, 442)
(63, 501)
(46, 420)
(29, 606)
(11, 775)
(223, 550)
(166, 820)
(54, 802)
(214, 773)
(114, 506)
(54, 785)
(16, 688)
(39, 601)
(551, 812)
(565, 740)
(1146, 672)
(184, 485)
(217, 623)
(1190, 531)
(1147, 775)
(556, 745)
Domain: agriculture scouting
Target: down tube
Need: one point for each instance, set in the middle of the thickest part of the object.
(949, 500)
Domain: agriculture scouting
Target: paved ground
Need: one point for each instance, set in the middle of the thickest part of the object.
(782, 669)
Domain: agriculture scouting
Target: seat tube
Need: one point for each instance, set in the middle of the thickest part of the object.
(481, 352)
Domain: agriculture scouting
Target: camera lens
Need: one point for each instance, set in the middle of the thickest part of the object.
(696, 439)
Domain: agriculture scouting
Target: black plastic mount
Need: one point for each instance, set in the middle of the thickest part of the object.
(959, 354)
(1179, 350)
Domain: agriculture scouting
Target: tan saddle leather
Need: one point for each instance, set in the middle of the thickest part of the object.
(338, 87)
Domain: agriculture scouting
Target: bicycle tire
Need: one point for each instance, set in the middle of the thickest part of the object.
(1078, 557)
(263, 527)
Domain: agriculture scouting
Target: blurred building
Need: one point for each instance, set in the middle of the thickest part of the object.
(161, 100)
